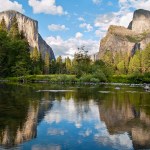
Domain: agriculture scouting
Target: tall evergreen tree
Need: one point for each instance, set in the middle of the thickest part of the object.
(68, 65)
(3, 25)
(146, 59)
(46, 63)
(135, 65)
(35, 54)
(14, 30)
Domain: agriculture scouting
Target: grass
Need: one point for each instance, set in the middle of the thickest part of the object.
(63, 78)
(130, 79)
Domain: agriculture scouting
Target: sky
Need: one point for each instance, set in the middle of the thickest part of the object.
(68, 24)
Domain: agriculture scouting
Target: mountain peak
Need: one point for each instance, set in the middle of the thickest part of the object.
(30, 30)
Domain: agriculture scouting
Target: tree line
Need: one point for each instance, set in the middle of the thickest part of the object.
(18, 59)
(123, 62)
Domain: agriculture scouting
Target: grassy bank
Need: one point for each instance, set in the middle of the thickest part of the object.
(130, 78)
(57, 78)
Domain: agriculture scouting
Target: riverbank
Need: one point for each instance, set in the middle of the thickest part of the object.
(72, 79)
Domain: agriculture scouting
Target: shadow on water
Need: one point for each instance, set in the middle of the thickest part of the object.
(40, 115)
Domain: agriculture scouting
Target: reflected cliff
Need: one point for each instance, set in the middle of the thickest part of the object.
(128, 111)
(46, 116)
(20, 112)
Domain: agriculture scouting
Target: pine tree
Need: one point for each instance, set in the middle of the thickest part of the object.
(3, 25)
(59, 64)
(146, 59)
(35, 54)
(46, 63)
(14, 31)
(135, 65)
(68, 65)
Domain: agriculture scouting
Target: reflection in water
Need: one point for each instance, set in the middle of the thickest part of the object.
(57, 118)
(24, 133)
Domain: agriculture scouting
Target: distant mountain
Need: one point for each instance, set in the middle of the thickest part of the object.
(30, 30)
(130, 39)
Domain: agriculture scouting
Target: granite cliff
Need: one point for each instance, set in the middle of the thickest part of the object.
(30, 30)
(136, 36)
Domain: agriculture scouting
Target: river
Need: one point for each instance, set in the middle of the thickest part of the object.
(60, 117)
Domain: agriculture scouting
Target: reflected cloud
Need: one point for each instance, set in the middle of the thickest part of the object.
(120, 141)
(87, 133)
(72, 112)
(54, 131)
(46, 147)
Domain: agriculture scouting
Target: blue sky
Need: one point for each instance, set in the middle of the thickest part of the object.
(68, 24)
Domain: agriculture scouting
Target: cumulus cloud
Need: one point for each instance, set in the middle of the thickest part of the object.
(117, 141)
(96, 1)
(64, 110)
(122, 17)
(79, 35)
(9, 5)
(57, 27)
(81, 19)
(46, 6)
(88, 27)
(136, 4)
(67, 48)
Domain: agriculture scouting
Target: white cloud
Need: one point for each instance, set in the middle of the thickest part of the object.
(46, 6)
(9, 5)
(79, 35)
(116, 141)
(96, 1)
(137, 4)
(81, 19)
(68, 47)
(122, 17)
(87, 26)
(64, 110)
(57, 27)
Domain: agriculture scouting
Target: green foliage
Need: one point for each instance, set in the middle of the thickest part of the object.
(146, 59)
(14, 31)
(135, 63)
(14, 55)
(35, 54)
(46, 63)
(81, 62)
(3, 25)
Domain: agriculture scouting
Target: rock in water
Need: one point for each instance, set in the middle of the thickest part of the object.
(130, 39)
(30, 30)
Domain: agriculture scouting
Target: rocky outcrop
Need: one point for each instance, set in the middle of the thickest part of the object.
(136, 36)
(30, 30)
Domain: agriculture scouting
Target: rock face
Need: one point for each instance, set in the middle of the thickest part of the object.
(30, 29)
(136, 36)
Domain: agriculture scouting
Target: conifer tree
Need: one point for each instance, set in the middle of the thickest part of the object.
(68, 64)
(146, 59)
(3, 25)
(46, 63)
(35, 54)
(14, 31)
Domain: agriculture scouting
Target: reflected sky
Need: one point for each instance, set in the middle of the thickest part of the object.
(64, 118)
(84, 118)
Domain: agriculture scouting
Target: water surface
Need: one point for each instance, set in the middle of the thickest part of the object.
(53, 117)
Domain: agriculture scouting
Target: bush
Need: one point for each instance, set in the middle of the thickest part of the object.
(86, 78)
(100, 76)
(94, 80)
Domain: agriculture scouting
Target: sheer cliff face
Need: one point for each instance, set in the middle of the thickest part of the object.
(30, 29)
(136, 36)
(141, 21)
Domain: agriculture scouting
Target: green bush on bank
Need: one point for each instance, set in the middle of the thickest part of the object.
(130, 78)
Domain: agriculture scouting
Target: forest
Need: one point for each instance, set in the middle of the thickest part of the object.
(17, 59)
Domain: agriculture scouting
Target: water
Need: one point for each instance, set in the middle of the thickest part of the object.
(53, 117)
